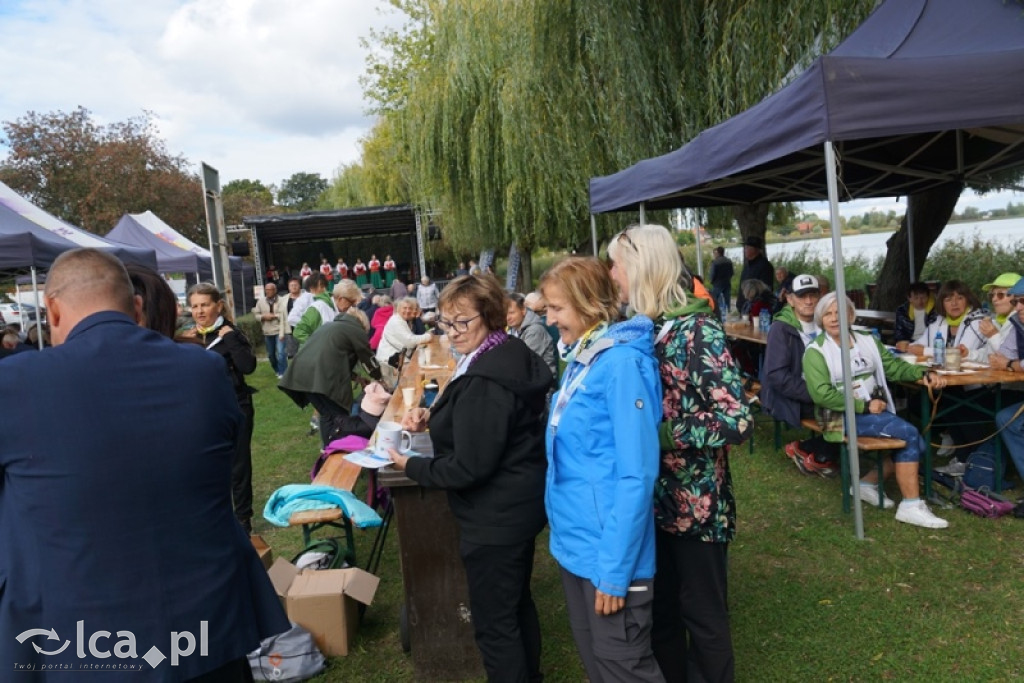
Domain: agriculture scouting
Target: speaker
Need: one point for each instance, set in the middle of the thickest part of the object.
(433, 232)
(240, 248)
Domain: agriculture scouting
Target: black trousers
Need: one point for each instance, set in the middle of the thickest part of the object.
(241, 469)
(505, 621)
(691, 634)
(329, 411)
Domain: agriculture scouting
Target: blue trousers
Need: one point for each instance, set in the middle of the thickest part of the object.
(276, 353)
(895, 427)
(1013, 435)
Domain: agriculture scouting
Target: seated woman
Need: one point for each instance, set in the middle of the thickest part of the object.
(757, 297)
(398, 337)
(958, 322)
(872, 366)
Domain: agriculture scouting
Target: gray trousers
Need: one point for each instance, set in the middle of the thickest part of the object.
(616, 647)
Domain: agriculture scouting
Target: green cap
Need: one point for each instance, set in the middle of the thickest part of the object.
(1004, 280)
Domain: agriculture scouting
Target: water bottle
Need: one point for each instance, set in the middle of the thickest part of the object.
(766, 320)
(939, 349)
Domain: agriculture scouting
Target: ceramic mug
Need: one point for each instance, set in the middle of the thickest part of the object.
(391, 435)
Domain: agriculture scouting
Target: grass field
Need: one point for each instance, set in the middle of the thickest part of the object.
(809, 602)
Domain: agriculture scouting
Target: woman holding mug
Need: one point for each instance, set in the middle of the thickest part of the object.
(214, 330)
(602, 445)
(488, 441)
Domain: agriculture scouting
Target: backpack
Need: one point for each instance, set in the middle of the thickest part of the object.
(981, 468)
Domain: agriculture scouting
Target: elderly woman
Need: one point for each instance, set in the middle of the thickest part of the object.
(959, 323)
(213, 329)
(398, 337)
(488, 443)
(757, 297)
(602, 446)
(873, 367)
(703, 412)
(527, 325)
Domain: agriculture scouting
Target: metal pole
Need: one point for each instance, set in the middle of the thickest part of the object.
(643, 213)
(844, 335)
(593, 233)
(696, 232)
(910, 244)
(218, 235)
(39, 310)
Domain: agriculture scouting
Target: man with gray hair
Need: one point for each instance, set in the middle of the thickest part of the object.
(118, 517)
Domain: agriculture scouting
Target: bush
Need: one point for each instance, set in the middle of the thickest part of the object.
(973, 261)
(252, 329)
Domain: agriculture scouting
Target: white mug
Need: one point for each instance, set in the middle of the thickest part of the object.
(391, 435)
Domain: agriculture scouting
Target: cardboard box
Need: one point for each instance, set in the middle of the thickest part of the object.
(263, 550)
(325, 602)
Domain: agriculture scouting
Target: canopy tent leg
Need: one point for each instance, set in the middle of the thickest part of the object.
(593, 234)
(844, 333)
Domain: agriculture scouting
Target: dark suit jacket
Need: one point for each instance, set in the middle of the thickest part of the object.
(115, 507)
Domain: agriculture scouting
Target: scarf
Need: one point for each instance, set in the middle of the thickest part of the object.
(491, 341)
(584, 342)
(207, 330)
(955, 322)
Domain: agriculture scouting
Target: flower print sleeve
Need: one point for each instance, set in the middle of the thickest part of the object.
(703, 402)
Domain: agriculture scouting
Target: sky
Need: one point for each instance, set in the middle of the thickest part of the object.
(258, 89)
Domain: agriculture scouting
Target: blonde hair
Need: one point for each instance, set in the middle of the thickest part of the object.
(360, 316)
(650, 258)
(588, 287)
(347, 289)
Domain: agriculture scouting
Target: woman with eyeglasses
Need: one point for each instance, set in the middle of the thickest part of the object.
(602, 445)
(214, 329)
(488, 441)
(703, 412)
(996, 328)
(959, 323)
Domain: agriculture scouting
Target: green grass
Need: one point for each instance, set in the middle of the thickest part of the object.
(809, 602)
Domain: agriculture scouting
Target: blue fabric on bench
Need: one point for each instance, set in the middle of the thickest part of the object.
(293, 498)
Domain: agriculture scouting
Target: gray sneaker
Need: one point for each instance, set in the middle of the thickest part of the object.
(953, 468)
(918, 514)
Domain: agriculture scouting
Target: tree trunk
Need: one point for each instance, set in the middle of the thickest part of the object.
(930, 211)
(526, 270)
(752, 220)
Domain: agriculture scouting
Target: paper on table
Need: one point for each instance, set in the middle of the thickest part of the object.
(371, 460)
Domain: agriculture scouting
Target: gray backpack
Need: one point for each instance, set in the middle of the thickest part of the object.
(288, 656)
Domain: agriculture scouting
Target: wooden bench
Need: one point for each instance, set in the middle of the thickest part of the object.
(876, 445)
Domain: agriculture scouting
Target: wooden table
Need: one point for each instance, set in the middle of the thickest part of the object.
(990, 380)
(744, 331)
(435, 621)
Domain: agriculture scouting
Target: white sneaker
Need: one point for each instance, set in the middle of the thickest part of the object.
(869, 494)
(953, 468)
(946, 449)
(918, 514)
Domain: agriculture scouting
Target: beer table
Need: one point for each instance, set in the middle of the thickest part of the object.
(436, 625)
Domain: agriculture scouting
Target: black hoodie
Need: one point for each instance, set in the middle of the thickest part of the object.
(487, 429)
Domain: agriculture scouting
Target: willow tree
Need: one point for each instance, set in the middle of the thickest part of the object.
(507, 109)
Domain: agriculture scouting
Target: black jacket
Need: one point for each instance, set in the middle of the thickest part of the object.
(234, 347)
(488, 436)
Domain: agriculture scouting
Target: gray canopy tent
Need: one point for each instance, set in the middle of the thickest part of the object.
(923, 93)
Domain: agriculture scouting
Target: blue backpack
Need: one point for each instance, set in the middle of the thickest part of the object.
(980, 471)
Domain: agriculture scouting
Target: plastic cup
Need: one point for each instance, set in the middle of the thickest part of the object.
(408, 395)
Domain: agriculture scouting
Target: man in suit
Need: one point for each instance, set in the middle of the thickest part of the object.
(118, 544)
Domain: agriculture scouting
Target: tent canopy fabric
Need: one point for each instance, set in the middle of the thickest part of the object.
(170, 257)
(14, 203)
(25, 245)
(922, 93)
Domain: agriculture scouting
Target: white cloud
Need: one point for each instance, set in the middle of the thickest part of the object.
(257, 88)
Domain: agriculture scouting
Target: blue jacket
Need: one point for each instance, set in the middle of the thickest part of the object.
(603, 460)
(115, 507)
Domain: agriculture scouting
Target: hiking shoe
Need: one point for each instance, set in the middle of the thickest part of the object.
(798, 456)
(918, 514)
(946, 449)
(953, 468)
(869, 494)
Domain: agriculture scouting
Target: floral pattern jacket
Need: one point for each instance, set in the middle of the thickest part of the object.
(704, 411)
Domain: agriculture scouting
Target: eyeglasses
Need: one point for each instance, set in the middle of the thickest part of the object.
(998, 296)
(1017, 301)
(459, 326)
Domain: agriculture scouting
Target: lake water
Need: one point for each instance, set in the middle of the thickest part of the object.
(1008, 231)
